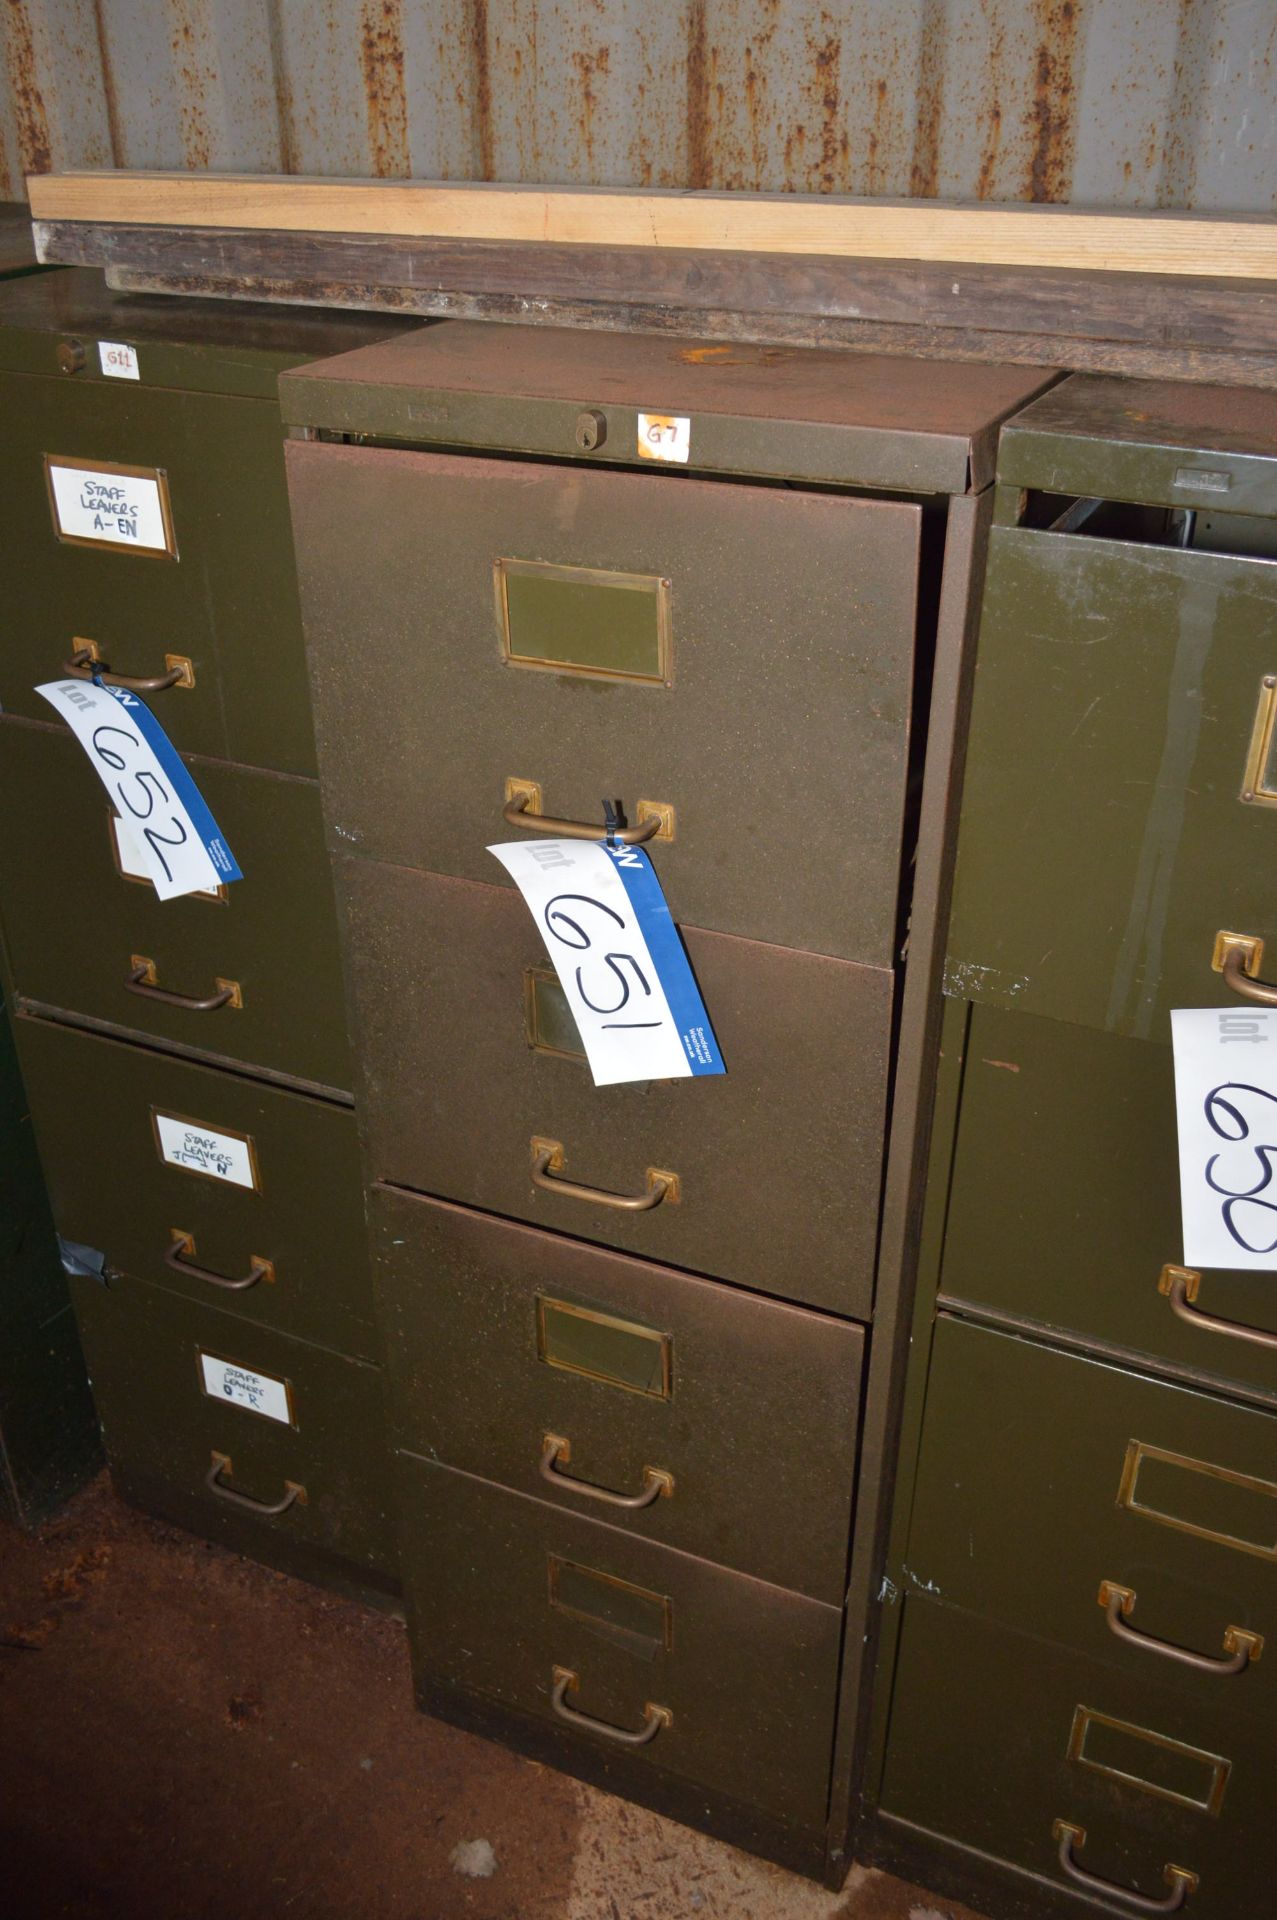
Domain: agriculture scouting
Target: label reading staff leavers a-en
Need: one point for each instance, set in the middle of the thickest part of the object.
(148, 785)
(109, 508)
(199, 1149)
(616, 950)
(1226, 1113)
(223, 1380)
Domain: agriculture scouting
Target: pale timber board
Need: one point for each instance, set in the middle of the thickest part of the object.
(1175, 243)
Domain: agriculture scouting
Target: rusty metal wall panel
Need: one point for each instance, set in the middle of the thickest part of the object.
(1095, 102)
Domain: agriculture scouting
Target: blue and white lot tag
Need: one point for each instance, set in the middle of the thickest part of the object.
(618, 956)
(178, 840)
(1226, 1111)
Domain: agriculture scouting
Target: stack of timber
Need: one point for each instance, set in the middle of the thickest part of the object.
(1177, 295)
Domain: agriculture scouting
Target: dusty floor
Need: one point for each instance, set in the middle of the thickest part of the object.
(185, 1734)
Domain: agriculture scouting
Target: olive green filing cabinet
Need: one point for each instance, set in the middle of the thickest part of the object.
(187, 1062)
(1082, 1559)
(48, 1435)
(638, 1440)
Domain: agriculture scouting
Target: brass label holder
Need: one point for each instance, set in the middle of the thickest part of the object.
(1256, 791)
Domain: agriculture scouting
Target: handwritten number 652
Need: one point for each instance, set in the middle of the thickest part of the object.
(1226, 1119)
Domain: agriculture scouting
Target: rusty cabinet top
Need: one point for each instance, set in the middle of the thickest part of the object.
(850, 419)
(216, 346)
(1160, 441)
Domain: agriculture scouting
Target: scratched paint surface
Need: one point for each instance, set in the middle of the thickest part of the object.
(1094, 102)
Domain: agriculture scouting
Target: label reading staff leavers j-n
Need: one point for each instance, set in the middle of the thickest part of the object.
(148, 785)
(199, 1149)
(620, 962)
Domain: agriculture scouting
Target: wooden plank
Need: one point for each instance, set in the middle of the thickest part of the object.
(829, 225)
(1145, 309)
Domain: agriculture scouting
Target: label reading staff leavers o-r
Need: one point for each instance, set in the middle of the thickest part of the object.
(620, 962)
(148, 785)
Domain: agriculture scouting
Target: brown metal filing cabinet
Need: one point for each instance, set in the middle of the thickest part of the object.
(199, 1146)
(1084, 1561)
(631, 1440)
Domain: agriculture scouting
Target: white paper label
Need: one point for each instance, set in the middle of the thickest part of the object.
(123, 509)
(223, 1380)
(664, 436)
(200, 1149)
(130, 851)
(1226, 1110)
(174, 832)
(117, 361)
(618, 956)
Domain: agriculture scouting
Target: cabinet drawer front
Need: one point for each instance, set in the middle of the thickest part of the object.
(502, 1591)
(741, 654)
(1044, 1475)
(778, 1160)
(1065, 1199)
(227, 602)
(161, 1367)
(271, 1182)
(748, 1408)
(76, 927)
(995, 1737)
(1137, 673)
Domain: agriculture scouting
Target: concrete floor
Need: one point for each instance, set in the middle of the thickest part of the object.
(185, 1734)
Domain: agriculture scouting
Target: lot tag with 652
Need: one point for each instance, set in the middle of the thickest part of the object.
(1226, 1110)
(620, 962)
(176, 836)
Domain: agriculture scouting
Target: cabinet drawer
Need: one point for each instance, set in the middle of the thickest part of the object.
(612, 1375)
(160, 1367)
(1065, 1200)
(1137, 673)
(740, 654)
(1044, 1475)
(76, 927)
(778, 1161)
(995, 1737)
(505, 1594)
(191, 1177)
(226, 601)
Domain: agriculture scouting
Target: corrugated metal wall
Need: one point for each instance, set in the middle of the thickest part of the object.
(1100, 102)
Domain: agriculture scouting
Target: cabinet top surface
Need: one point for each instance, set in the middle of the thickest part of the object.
(1130, 417)
(931, 424)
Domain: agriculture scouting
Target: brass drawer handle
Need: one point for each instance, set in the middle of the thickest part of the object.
(555, 1454)
(1180, 1880)
(85, 659)
(1239, 957)
(294, 1495)
(548, 1158)
(523, 809)
(1241, 1647)
(142, 980)
(1180, 1285)
(184, 1243)
(565, 1682)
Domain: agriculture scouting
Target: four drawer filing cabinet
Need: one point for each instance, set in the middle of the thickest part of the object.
(186, 1060)
(638, 1381)
(48, 1433)
(1087, 1555)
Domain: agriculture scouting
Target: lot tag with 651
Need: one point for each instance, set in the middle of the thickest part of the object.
(176, 836)
(620, 962)
(1226, 1111)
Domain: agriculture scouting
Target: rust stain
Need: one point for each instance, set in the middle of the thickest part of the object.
(482, 87)
(1052, 109)
(32, 129)
(835, 147)
(698, 92)
(1009, 1065)
(734, 356)
(924, 169)
(588, 67)
(381, 57)
(991, 146)
(115, 125)
(192, 82)
(879, 136)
